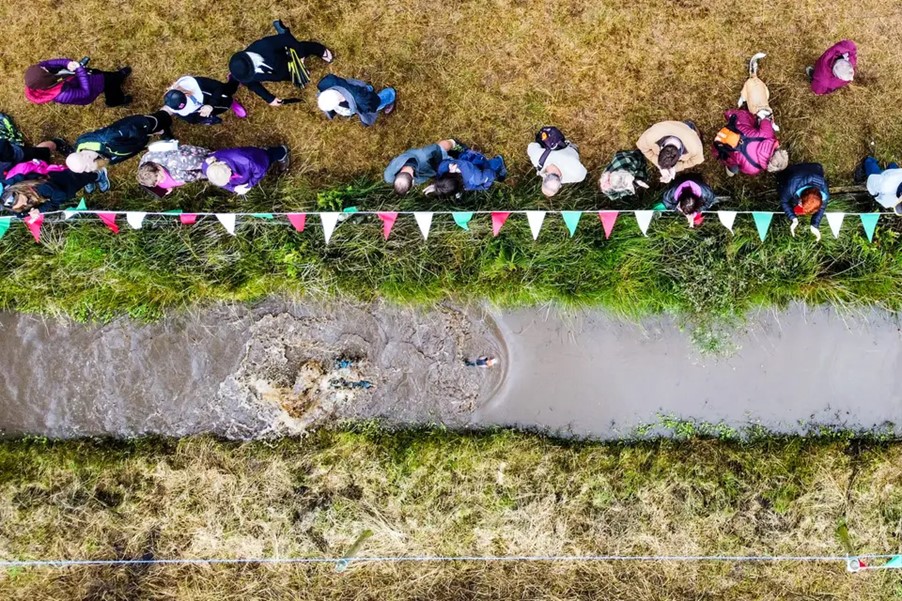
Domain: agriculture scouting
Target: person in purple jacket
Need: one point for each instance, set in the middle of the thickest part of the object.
(835, 68)
(66, 81)
(240, 169)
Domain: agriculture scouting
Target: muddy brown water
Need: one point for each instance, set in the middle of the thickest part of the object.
(274, 370)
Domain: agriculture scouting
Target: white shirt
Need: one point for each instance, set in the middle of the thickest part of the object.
(883, 186)
(195, 98)
(567, 160)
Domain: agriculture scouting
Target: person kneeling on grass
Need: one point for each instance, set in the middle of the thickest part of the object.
(35, 193)
(556, 160)
(66, 81)
(416, 166)
(240, 169)
(835, 68)
(471, 170)
(689, 196)
(275, 58)
(673, 146)
(200, 100)
(168, 165)
(348, 97)
(626, 171)
(803, 190)
(749, 145)
(885, 185)
(117, 142)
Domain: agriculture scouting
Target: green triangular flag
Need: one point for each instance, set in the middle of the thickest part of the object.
(82, 206)
(4, 225)
(173, 212)
(762, 222)
(895, 562)
(463, 220)
(263, 215)
(869, 223)
(571, 219)
(350, 210)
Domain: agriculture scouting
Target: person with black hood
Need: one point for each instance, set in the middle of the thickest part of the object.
(275, 58)
(200, 100)
(117, 142)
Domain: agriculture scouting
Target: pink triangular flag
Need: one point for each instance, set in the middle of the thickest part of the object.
(608, 219)
(498, 219)
(109, 220)
(188, 218)
(298, 220)
(388, 221)
(34, 226)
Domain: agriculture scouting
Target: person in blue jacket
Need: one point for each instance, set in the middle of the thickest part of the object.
(803, 190)
(471, 170)
(348, 97)
(416, 166)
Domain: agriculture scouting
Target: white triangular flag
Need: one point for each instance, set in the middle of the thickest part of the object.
(329, 221)
(535, 219)
(135, 219)
(835, 221)
(727, 218)
(643, 218)
(228, 221)
(424, 220)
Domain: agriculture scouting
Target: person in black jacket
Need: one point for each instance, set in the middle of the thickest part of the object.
(118, 141)
(689, 195)
(803, 190)
(275, 58)
(32, 193)
(200, 100)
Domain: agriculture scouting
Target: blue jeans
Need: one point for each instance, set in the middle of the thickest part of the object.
(872, 166)
(386, 97)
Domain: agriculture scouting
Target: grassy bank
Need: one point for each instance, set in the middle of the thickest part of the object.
(444, 494)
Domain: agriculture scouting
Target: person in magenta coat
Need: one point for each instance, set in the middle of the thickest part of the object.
(835, 68)
(66, 81)
(749, 145)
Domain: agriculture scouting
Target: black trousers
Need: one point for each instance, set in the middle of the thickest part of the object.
(276, 154)
(112, 87)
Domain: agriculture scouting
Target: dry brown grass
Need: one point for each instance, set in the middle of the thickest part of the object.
(487, 71)
(441, 494)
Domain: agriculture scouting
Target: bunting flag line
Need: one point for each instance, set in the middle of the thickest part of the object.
(228, 221)
(388, 222)
(727, 219)
(762, 222)
(463, 219)
(135, 219)
(34, 226)
(424, 222)
(329, 221)
(835, 220)
(869, 223)
(498, 219)
(298, 220)
(4, 225)
(109, 220)
(643, 218)
(608, 219)
(571, 220)
(187, 218)
(535, 219)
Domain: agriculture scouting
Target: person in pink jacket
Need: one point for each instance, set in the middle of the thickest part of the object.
(748, 145)
(835, 68)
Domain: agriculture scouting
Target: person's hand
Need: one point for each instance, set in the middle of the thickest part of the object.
(73, 65)
(454, 168)
(691, 218)
(667, 175)
(816, 232)
(242, 189)
(276, 102)
(206, 110)
(640, 183)
(167, 192)
(34, 213)
(793, 226)
(327, 56)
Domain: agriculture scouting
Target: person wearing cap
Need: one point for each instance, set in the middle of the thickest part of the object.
(559, 167)
(689, 195)
(34, 193)
(885, 185)
(416, 166)
(627, 171)
(803, 190)
(240, 169)
(672, 146)
(167, 164)
(117, 142)
(749, 145)
(275, 58)
(470, 171)
(66, 81)
(200, 100)
(345, 97)
(835, 68)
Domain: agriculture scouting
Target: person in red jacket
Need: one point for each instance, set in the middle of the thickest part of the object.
(835, 68)
(749, 145)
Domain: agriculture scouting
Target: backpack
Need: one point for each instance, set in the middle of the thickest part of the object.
(550, 138)
(9, 131)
